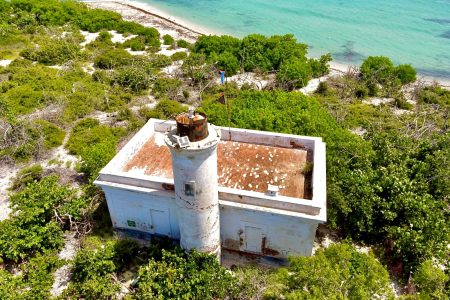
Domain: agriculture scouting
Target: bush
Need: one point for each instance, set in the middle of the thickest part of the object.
(94, 158)
(33, 280)
(168, 40)
(32, 230)
(163, 110)
(430, 281)
(177, 276)
(435, 95)
(402, 104)
(178, 56)
(228, 63)
(194, 67)
(113, 58)
(338, 272)
(136, 43)
(406, 73)
(293, 74)
(320, 67)
(183, 44)
(159, 61)
(377, 70)
(105, 38)
(92, 273)
(26, 176)
(52, 51)
(168, 87)
(53, 135)
(88, 133)
(134, 78)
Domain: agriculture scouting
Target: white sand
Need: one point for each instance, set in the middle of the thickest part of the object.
(168, 52)
(88, 37)
(6, 174)
(5, 62)
(150, 16)
(249, 78)
(119, 38)
(313, 84)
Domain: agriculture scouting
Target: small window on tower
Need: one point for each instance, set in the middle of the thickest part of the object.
(189, 188)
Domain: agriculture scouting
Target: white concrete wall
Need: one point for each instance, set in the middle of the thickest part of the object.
(152, 211)
(283, 234)
(279, 235)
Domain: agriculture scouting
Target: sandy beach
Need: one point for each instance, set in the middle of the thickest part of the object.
(165, 23)
(150, 16)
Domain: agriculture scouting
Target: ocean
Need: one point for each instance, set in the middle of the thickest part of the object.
(408, 31)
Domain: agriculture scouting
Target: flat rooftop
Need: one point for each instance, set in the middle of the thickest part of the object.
(241, 165)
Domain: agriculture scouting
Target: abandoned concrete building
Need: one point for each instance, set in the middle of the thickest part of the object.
(218, 189)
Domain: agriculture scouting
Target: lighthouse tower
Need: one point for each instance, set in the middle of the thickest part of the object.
(193, 145)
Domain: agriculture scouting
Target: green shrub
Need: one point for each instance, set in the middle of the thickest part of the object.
(430, 281)
(160, 61)
(32, 230)
(88, 133)
(402, 104)
(405, 73)
(435, 95)
(293, 74)
(177, 276)
(105, 37)
(363, 91)
(136, 43)
(26, 176)
(183, 44)
(320, 67)
(91, 275)
(163, 110)
(168, 87)
(338, 272)
(195, 68)
(228, 63)
(53, 51)
(53, 135)
(33, 281)
(133, 78)
(181, 55)
(377, 69)
(94, 158)
(113, 58)
(168, 40)
(323, 89)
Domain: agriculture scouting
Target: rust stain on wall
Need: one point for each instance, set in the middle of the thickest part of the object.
(267, 251)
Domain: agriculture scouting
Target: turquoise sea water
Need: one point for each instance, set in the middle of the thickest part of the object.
(408, 31)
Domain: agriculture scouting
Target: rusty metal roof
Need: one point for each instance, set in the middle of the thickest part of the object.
(243, 166)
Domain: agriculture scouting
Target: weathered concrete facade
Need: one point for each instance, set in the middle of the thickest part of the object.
(141, 190)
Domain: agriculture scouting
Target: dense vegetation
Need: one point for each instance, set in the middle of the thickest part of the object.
(388, 185)
(258, 53)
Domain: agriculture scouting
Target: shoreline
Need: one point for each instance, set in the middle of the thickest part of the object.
(149, 15)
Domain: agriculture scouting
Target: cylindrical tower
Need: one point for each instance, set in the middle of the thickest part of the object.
(193, 145)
